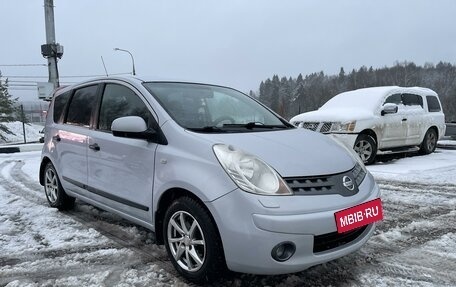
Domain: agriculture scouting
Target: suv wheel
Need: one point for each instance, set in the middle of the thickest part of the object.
(55, 194)
(429, 142)
(192, 241)
(366, 147)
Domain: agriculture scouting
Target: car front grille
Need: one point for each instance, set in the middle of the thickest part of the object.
(333, 240)
(326, 184)
(323, 127)
(310, 126)
(310, 185)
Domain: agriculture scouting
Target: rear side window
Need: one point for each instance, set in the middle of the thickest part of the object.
(81, 105)
(433, 104)
(119, 101)
(59, 105)
(412, 100)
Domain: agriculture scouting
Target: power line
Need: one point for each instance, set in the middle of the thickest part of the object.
(22, 89)
(16, 82)
(22, 65)
(22, 85)
(24, 77)
(34, 84)
(72, 76)
(20, 81)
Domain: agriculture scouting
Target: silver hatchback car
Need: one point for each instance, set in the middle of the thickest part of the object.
(222, 181)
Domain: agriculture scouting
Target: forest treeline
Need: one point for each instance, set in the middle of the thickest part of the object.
(291, 96)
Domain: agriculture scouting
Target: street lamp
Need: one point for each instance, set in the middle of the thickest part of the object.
(132, 60)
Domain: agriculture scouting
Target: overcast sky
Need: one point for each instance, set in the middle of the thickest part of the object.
(237, 43)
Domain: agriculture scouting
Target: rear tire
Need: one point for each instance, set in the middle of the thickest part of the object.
(54, 191)
(366, 147)
(429, 142)
(192, 241)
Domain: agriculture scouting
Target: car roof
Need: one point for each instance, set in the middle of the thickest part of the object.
(134, 79)
(371, 98)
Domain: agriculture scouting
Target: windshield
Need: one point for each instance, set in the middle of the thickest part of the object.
(363, 99)
(206, 108)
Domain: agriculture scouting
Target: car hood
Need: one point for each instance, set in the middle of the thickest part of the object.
(293, 152)
(333, 115)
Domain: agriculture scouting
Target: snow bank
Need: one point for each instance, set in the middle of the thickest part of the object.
(436, 168)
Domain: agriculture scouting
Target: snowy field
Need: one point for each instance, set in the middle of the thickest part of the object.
(415, 245)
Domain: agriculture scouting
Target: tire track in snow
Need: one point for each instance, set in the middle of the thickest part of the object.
(409, 229)
(50, 254)
(97, 218)
(447, 190)
(56, 268)
(107, 226)
(396, 216)
(15, 267)
(17, 188)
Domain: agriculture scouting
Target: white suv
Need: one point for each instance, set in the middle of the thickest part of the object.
(380, 120)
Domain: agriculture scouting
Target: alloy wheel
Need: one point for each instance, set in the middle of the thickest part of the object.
(51, 184)
(186, 241)
(364, 149)
(431, 141)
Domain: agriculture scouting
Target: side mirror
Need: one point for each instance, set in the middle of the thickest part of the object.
(389, 108)
(132, 127)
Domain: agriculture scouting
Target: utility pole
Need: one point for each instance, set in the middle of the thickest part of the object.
(51, 50)
(23, 122)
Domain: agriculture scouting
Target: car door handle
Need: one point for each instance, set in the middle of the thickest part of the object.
(95, 147)
(56, 138)
(404, 120)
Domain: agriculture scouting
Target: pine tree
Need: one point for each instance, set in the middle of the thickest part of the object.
(7, 108)
(313, 90)
(275, 96)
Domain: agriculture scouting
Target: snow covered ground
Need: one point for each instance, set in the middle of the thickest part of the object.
(32, 132)
(415, 245)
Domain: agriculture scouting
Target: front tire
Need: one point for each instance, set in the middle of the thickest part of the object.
(429, 142)
(192, 241)
(53, 189)
(366, 147)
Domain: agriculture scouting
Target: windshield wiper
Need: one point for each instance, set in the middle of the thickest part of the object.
(208, 129)
(256, 125)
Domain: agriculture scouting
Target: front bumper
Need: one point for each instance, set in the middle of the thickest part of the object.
(251, 225)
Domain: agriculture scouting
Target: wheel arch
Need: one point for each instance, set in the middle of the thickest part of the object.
(371, 136)
(433, 127)
(371, 133)
(43, 164)
(165, 201)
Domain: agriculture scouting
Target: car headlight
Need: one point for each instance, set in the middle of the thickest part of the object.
(343, 127)
(351, 151)
(249, 172)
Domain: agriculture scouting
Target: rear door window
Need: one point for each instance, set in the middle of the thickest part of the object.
(81, 106)
(59, 105)
(433, 104)
(119, 101)
(412, 100)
